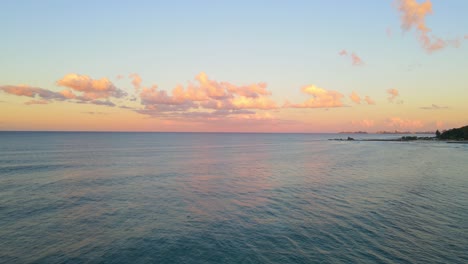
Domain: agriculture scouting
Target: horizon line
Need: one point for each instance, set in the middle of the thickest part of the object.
(217, 132)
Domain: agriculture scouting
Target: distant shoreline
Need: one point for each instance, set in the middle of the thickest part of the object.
(402, 139)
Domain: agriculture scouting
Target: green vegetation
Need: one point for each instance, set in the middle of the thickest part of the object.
(455, 134)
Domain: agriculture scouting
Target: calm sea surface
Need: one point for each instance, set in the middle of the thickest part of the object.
(230, 198)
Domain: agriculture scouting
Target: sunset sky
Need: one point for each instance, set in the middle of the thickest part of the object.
(234, 66)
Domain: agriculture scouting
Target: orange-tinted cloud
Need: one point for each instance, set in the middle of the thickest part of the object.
(91, 89)
(68, 94)
(321, 98)
(355, 97)
(154, 96)
(211, 88)
(393, 94)
(136, 81)
(413, 15)
(24, 90)
(369, 100)
(355, 59)
(205, 95)
(45, 96)
(403, 124)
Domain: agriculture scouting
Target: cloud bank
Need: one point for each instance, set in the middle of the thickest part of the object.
(208, 98)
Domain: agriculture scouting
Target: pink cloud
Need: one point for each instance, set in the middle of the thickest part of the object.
(153, 96)
(91, 89)
(212, 89)
(203, 96)
(68, 94)
(253, 91)
(23, 90)
(413, 15)
(45, 96)
(321, 98)
(136, 81)
(393, 94)
(403, 124)
(369, 100)
(355, 97)
(355, 59)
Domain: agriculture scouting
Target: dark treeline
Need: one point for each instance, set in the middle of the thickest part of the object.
(454, 133)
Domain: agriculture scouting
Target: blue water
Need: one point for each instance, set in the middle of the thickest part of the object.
(230, 198)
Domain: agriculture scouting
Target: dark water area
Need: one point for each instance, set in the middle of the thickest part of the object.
(230, 198)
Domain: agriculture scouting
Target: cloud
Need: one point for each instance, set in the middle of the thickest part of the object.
(369, 101)
(413, 15)
(68, 94)
(45, 96)
(42, 101)
(355, 97)
(153, 96)
(363, 123)
(23, 90)
(355, 59)
(205, 94)
(106, 103)
(126, 107)
(321, 98)
(91, 89)
(388, 31)
(136, 81)
(406, 124)
(434, 107)
(393, 94)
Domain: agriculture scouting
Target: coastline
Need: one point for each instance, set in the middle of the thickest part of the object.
(402, 139)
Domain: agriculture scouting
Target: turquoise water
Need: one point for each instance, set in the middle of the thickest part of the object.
(230, 198)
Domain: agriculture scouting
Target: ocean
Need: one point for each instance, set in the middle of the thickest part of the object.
(85, 197)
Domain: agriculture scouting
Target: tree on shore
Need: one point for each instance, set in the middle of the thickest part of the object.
(455, 134)
(437, 133)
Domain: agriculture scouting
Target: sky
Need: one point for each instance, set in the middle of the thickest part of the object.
(234, 66)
